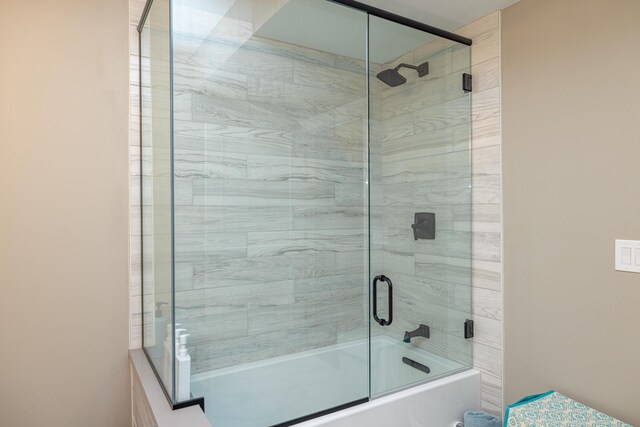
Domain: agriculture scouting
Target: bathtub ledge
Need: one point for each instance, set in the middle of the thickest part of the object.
(150, 407)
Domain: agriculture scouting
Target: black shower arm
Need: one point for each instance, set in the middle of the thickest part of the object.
(403, 65)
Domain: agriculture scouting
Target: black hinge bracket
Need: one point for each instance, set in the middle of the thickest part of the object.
(467, 82)
(468, 329)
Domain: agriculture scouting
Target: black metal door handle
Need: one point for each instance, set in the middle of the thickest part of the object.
(382, 278)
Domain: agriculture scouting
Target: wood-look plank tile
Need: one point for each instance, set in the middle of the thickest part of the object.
(398, 262)
(220, 219)
(239, 350)
(339, 80)
(485, 46)
(265, 90)
(344, 311)
(486, 189)
(351, 129)
(486, 75)
(487, 274)
(486, 124)
(196, 79)
(480, 26)
(478, 218)
(331, 288)
(329, 218)
(336, 147)
(486, 246)
(455, 191)
(456, 244)
(444, 166)
(487, 359)
(210, 192)
(428, 288)
(421, 145)
(183, 275)
(445, 269)
(241, 113)
(398, 127)
(487, 303)
(450, 113)
(274, 243)
(203, 164)
(232, 59)
(321, 98)
(486, 161)
(271, 168)
(491, 391)
(231, 272)
(352, 195)
(183, 191)
(191, 247)
(487, 331)
(398, 195)
(213, 327)
(256, 294)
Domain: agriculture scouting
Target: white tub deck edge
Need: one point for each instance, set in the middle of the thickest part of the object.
(439, 403)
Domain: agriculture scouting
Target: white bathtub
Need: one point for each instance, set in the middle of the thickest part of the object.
(269, 392)
(439, 403)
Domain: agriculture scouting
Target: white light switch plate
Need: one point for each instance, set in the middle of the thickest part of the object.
(628, 255)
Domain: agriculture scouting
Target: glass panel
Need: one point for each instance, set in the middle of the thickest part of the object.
(270, 157)
(420, 163)
(156, 190)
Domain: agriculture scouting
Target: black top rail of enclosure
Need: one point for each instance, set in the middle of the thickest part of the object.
(381, 13)
(145, 13)
(371, 10)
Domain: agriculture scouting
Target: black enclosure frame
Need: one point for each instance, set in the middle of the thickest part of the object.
(398, 19)
(370, 10)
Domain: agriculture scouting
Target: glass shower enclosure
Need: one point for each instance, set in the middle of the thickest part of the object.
(306, 205)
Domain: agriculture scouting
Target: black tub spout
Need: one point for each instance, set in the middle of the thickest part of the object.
(422, 331)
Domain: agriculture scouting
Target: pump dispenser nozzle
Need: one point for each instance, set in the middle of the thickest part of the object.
(182, 351)
(183, 339)
(159, 308)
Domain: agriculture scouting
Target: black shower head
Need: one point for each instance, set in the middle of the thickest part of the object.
(393, 78)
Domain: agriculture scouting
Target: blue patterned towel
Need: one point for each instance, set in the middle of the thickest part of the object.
(551, 409)
(480, 419)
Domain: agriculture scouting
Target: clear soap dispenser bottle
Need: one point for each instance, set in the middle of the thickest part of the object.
(168, 358)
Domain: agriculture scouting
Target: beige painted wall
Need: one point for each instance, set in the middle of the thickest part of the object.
(64, 215)
(571, 119)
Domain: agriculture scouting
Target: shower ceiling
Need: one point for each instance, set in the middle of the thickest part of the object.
(293, 23)
(446, 14)
(313, 24)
